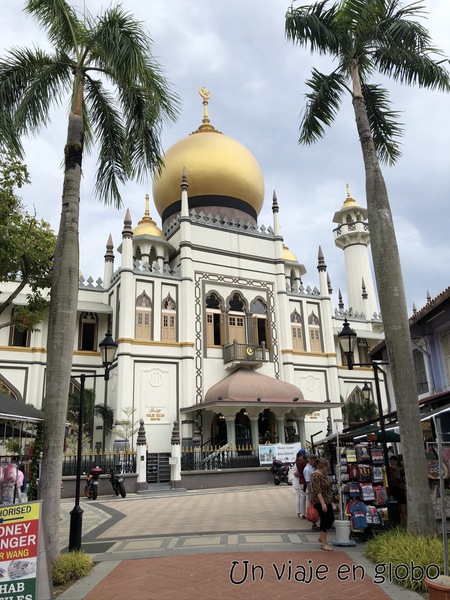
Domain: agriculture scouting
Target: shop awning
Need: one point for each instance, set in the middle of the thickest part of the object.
(13, 410)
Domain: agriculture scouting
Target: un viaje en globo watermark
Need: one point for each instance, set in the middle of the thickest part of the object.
(245, 572)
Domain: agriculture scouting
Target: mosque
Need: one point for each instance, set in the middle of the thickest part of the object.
(214, 326)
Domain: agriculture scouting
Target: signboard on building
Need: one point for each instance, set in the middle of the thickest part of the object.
(286, 453)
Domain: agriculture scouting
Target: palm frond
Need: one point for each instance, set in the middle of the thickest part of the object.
(322, 105)
(31, 81)
(384, 123)
(412, 68)
(64, 29)
(314, 27)
(107, 128)
(8, 136)
(106, 413)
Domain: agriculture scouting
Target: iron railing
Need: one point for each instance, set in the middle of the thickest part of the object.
(244, 352)
(224, 457)
(105, 461)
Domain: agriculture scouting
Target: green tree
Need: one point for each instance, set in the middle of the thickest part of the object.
(119, 100)
(354, 412)
(27, 245)
(91, 410)
(364, 37)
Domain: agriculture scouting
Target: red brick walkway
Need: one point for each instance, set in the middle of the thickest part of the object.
(266, 576)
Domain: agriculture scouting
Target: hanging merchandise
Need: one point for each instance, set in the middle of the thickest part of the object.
(351, 455)
(365, 473)
(377, 455)
(357, 511)
(377, 474)
(353, 471)
(367, 493)
(362, 453)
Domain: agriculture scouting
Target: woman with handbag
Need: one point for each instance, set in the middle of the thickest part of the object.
(321, 499)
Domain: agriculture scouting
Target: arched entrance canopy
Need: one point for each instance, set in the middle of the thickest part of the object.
(256, 391)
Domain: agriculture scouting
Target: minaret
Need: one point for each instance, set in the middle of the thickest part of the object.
(127, 242)
(109, 263)
(352, 236)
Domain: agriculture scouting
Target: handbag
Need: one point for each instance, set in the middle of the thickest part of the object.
(311, 513)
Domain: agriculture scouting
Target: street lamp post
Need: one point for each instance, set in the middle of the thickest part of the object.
(108, 349)
(347, 338)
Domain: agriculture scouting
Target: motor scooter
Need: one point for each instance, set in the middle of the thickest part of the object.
(280, 472)
(92, 483)
(117, 481)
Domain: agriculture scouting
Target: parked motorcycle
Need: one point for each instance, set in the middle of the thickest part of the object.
(116, 479)
(280, 472)
(92, 483)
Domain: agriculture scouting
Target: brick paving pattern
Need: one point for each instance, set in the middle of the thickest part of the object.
(182, 546)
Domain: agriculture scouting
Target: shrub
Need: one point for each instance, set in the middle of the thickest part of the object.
(397, 546)
(70, 567)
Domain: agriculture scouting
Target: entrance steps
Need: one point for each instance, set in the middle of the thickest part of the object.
(157, 489)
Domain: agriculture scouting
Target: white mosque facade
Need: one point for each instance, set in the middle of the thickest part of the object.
(214, 326)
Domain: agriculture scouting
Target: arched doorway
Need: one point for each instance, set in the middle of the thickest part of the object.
(219, 435)
(242, 427)
(267, 427)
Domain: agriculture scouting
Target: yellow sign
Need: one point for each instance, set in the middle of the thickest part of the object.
(155, 414)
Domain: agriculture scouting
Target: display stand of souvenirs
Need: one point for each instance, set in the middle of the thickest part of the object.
(363, 486)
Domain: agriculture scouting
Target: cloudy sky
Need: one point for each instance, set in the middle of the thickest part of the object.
(237, 50)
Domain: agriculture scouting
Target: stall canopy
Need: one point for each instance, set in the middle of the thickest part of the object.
(13, 410)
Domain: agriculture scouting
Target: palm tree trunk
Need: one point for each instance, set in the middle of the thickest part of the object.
(61, 333)
(391, 293)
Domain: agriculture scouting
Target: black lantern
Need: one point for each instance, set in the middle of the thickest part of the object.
(347, 338)
(108, 348)
(366, 391)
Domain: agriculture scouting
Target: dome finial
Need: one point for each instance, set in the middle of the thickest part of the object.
(206, 96)
(348, 190)
(206, 126)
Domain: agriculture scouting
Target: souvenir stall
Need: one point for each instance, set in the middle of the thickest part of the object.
(17, 423)
(359, 474)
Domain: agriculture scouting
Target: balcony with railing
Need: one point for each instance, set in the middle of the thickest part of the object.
(236, 354)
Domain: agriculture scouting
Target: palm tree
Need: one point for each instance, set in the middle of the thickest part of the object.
(364, 37)
(119, 99)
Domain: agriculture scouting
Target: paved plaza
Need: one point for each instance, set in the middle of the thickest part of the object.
(231, 543)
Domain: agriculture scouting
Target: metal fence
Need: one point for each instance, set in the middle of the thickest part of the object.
(104, 460)
(226, 457)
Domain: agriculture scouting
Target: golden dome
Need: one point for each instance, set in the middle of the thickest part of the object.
(288, 255)
(349, 201)
(220, 172)
(147, 226)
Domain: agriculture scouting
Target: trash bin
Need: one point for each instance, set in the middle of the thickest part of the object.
(343, 533)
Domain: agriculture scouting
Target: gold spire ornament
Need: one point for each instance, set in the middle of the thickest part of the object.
(206, 126)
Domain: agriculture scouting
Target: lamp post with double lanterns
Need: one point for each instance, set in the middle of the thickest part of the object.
(347, 338)
(108, 349)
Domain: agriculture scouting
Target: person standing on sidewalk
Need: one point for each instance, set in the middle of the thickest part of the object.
(321, 498)
(299, 484)
(308, 471)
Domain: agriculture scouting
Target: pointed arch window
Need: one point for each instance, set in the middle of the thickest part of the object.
(315, 336)
(298, 342)
(236, 320)
(143, 324)
(260, 323)
(87, 332)
(152, 256)
(8, 389)
(16, 337)
(292, 280)
(215, 330)
(169, 320)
